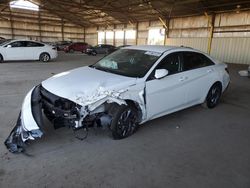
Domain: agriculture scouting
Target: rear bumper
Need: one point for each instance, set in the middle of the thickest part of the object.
(54, 54)
(28, 123)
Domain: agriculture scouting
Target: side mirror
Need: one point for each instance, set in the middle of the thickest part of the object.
(160, 73)
(8, 46)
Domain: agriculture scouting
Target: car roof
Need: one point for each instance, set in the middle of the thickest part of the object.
(15, 40)
(157, 48)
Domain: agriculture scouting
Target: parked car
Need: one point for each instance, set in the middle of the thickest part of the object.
(101, 49)
(61, 45)
(122, 90)
(77, 46)
(13, 50)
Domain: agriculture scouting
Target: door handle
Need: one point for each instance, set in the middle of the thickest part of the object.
(181, 79)
(209, 70)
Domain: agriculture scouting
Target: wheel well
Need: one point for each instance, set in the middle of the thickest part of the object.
(137, 106)
(217, 83)
(45, 53)
(113, 107)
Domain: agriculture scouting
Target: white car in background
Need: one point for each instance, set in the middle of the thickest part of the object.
(124, 89)
(15, 50)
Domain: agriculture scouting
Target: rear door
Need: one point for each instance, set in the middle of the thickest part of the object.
(33, 50)
(199, 73)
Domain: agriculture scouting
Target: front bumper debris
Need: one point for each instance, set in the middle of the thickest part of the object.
(28, 123)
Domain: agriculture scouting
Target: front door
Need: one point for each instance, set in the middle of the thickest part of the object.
(167, 94)
(15, 51)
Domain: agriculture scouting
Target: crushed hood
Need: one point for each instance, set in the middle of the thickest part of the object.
(86, 82)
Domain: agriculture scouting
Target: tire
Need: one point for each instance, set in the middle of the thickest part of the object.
(71, 51)
(124, 122)
(213, 96)
(44, 57)
(1, 58)
(94, 53)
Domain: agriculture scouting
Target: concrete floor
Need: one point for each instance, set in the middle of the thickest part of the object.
(196, 147)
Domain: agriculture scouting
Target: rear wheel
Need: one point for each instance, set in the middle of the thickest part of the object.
(213, 96)
(44, 57)
(94, 53)
(124, 122)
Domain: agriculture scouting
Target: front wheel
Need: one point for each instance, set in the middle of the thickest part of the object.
(44, 57)
(124, 122)
(213, 96)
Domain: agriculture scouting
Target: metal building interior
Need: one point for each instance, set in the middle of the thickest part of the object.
(190, 148)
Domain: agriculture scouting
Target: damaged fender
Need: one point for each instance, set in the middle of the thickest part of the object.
(28, 124)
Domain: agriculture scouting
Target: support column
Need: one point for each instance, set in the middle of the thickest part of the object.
(39, 25)
(136, 33)
(124, 34)
(84, 34)
(211, 32)
(11, 25)
(62, 29)
(105, 37)
(114, 35)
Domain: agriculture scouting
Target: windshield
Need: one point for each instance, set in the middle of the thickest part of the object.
(3, 42)
(128, 62)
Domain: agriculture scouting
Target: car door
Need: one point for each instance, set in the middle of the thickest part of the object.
(33, 50)
(167, 94)
(15, 50)
(199, 72)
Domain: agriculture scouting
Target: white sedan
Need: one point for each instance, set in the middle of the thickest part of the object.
(124, 89)
(15, 50)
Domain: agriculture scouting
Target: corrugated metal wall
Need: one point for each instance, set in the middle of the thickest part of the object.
(226, 49)
(231, 50)
(197, 43)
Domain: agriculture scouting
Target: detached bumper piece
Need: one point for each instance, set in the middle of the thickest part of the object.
(28, 123)
(14, 142)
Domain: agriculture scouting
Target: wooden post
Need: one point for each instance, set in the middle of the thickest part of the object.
(62, 29)
(105, 37)
(114, 35)
(39, 25)
(11, 25)
(136, 34)
(84, 34)
(211, 33)
(124, 34)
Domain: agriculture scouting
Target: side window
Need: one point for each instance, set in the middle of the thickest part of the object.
(194, 60)
(34, 44)
(172, 63)
(18, 44)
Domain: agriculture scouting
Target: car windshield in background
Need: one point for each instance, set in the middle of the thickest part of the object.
(128, 62)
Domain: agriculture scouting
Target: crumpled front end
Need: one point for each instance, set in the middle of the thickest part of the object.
(76, 111)
(28, 123)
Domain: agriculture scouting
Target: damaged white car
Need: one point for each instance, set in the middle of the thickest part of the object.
(132, 85)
